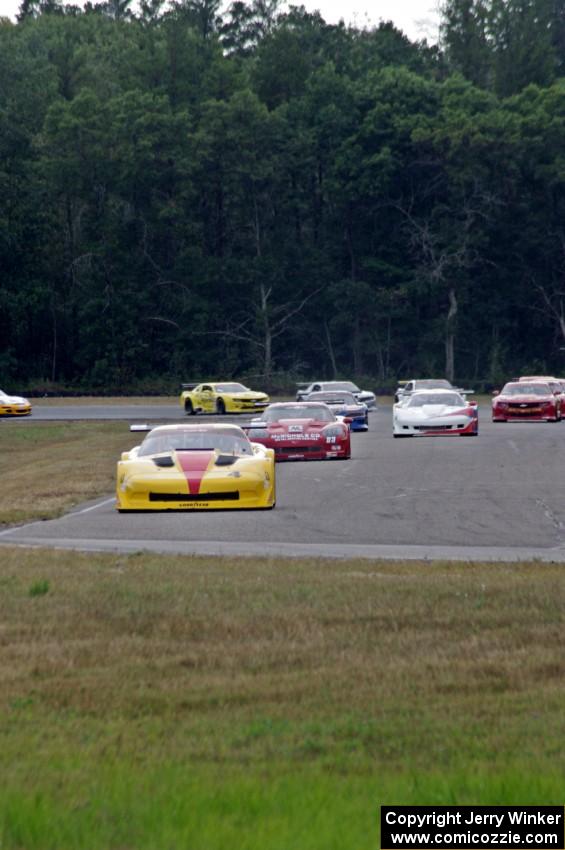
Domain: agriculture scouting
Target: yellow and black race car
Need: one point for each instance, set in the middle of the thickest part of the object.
(220, 398)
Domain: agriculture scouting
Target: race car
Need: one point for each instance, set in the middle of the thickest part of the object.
(305, 390)
(406, 388)
(14, 405)
(221, 398)
(527, 401)
(302, 431)
(344, 405)
(195, 467)
(434, 413)
(556, 386)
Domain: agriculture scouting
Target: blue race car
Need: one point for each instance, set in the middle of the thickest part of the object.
(345, 404)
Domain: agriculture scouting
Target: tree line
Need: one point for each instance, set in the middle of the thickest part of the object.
(188, 194)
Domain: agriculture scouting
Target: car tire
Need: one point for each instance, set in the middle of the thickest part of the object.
(220, 406)
(189, 408)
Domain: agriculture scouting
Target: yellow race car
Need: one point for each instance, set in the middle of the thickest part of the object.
(195, 467)
(14, 405)
(225, 397)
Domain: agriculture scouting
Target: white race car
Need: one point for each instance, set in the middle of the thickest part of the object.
(434, 413)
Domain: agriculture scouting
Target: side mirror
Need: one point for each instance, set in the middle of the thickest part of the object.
(348, 420)
(125, 456)
(496, 392)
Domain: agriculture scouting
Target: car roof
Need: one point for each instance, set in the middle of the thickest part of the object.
(537, 382)
(436, 391)
(325, 393)
(205, 426)
(293, 404)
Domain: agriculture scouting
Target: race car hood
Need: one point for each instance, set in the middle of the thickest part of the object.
(347, 409)
(523, 398)
(194, 465)
(416, 414)
(246, 396)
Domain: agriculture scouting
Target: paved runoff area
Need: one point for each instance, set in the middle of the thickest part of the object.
(498, 496)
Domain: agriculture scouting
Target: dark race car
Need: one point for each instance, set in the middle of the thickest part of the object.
(305, 391)
(302, 431)
(345, 404)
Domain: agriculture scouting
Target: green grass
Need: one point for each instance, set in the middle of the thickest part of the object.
(175, 702)
(213, 808)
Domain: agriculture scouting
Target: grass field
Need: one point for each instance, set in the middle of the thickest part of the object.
(201, 703)
(236, 704)
(47, 467)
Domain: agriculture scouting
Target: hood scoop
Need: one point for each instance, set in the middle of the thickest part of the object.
(225, 460)
(163, 461)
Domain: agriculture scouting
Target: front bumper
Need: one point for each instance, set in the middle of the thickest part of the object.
(138, 492)
(320, 450)
(536, 413)
(15, 409)
(441, 428)
(246, 406)
(359, 423)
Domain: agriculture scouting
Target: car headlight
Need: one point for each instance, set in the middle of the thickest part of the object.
(258, 432)
(335, 431)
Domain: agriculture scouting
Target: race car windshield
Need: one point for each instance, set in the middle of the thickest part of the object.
(321, 413)
(526, 389)
(343, 386)
(451, 399)
(333, 398)
(194, 441)
(231, 388)
(433, 385)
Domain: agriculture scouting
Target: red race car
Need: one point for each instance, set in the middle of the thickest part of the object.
(302, 431)
(526, 401)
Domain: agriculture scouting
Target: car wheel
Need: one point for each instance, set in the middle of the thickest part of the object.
(188, 408)
(220, 406)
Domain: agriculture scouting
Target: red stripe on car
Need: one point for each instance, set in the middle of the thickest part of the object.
(194, 465)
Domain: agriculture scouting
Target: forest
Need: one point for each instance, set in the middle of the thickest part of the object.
(191, 190)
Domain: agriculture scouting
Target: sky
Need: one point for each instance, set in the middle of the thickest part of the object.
(417, 18)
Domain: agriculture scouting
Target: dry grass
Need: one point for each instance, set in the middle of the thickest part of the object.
(240, 659)
(49, 467)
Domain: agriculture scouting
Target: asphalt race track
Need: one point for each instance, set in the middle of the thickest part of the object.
(498, 496)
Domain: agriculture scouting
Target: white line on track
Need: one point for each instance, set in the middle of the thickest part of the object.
(93, 507)
(16, 528)
(513, 446)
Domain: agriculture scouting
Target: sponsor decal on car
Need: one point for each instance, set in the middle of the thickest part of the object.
(281, 438)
